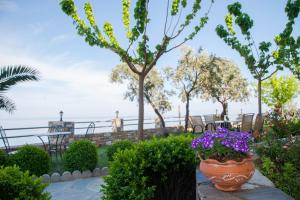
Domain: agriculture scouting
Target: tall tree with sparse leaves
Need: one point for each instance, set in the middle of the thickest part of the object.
(288, 52)
(187, 76)
(10, 76)
(138, 40)
(224, 83)
(154, 89)
(258, 59)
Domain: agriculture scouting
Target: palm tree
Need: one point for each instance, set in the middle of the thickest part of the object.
(10, 76)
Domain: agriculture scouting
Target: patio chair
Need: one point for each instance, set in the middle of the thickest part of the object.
(210, 122)
(8, 150)
(258, 126)
(57, 143)
(90, 129)
(247, 122)
(196, 124)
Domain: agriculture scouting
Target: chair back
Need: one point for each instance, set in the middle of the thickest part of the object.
(247, 122)
(196, 123)
(259, 123)
(90, 129)
(4, 139)
(56, 140)
(210, 118)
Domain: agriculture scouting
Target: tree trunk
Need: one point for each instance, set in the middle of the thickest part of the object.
(161, 119)
(187, 113)
(141, 107)
(259, 96)
(225, 110)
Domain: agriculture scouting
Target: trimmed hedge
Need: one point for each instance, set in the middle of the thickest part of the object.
(161, 168)
(15, 184)
(118, 146)
(33, 159)
(3, 158)
(81, 155)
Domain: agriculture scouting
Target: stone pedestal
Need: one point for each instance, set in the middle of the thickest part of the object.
(117, 125)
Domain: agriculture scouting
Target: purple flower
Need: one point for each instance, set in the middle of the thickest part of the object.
(238, 141)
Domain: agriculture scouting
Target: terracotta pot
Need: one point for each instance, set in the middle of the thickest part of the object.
(230, 175)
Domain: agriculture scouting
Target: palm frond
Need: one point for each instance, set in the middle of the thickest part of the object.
(11, 75)
(7, 104)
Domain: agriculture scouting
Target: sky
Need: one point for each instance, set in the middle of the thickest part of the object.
(75, 76)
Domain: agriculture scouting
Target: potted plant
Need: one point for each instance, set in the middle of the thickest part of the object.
(225, 158)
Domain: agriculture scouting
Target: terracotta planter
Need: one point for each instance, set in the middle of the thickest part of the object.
(228, 176)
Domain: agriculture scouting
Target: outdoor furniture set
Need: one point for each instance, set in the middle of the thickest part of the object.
(211, 122)
(55, 141)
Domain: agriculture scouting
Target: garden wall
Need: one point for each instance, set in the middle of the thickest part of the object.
(107, 138)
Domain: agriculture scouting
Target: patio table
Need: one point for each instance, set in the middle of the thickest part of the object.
(226, 123)
(56, 135)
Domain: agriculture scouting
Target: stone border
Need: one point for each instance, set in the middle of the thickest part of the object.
(68, 176)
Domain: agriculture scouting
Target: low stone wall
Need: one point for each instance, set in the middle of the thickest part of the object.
(107, 138)
(68, 176)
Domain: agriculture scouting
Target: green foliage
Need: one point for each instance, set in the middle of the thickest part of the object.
(15, 184)
(280, 162)
(118, 146)
(10, 76)
(288, 42)
(33, 159)
(278, 91)
(161, 168)
(259, 67)
(81, 155)
(282, 124)
(3, 158)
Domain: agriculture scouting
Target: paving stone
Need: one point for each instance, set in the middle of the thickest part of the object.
(46, 178)
(259, 179)
(97, 172)
(55, 177)
(104, 171)
(86, 174)
(76, 174)
(79, 189)
(66, 176)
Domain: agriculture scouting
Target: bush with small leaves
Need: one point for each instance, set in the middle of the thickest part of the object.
(33, 159)
(160, 168)
(280, 162)
(81, 155)
(15, 184)
(118, 146)
(3, 158)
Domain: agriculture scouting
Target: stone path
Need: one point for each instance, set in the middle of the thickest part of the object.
(79, 189)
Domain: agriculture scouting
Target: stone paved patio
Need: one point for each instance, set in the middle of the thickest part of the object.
(80, 189)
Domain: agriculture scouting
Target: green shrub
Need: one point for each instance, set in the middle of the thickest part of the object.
(281, 164)
(33, 159)
(3, 158)
(81, 155)
(118, 146)
(15, 184)
(161, 168)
